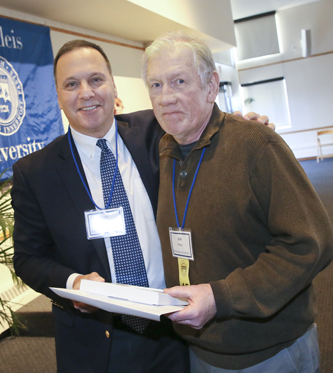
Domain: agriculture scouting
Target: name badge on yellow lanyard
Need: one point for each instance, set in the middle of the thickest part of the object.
(180, 238)
(181, 246)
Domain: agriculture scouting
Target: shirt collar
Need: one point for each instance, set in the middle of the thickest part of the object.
(87, 144)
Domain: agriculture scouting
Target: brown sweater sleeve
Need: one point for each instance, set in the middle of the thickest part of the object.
(301, 244)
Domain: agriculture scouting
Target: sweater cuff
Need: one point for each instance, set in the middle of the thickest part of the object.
(222, 299)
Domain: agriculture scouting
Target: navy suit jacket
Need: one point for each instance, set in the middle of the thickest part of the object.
(50, 239)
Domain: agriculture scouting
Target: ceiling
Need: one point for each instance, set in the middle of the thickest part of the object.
(113, 17)
(122, 18)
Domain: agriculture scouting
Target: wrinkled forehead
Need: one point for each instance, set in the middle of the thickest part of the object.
(170, 59)
(171, 65)
(175, 51)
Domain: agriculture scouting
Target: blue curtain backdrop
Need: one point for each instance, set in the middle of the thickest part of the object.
(29, 113)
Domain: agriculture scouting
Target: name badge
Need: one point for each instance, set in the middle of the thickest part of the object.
(105, 223)
(181, 243)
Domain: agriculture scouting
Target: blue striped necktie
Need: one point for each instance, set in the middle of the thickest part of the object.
(126, 250)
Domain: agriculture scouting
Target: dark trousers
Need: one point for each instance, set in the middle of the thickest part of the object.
(153, 353)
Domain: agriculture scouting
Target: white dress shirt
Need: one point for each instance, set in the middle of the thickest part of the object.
(90, 155)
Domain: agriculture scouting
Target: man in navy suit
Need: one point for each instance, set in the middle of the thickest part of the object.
(52, 189)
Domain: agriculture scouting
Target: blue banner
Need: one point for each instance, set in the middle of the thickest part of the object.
(30, 117)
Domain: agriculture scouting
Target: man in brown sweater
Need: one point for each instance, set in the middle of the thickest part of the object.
(239, 222)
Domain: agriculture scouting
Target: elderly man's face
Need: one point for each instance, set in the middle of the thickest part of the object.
(86, 91)
(180, 104)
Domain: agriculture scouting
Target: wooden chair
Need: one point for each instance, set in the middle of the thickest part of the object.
(320, 145)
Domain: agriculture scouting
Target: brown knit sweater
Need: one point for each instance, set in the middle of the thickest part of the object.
(260, 235)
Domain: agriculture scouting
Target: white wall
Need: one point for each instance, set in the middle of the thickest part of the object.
(309, 80)
(133, 93)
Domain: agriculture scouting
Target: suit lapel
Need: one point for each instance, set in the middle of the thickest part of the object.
(78, 194)
(134, 141)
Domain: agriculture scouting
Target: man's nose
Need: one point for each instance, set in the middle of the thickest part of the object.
(85, 91)
(167, 96)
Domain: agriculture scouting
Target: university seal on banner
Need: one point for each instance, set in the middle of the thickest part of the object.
(12, 102)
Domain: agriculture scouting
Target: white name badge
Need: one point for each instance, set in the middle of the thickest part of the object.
(181, 243)
(105, 223)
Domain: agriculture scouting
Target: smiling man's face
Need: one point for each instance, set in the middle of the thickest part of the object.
(86, 91)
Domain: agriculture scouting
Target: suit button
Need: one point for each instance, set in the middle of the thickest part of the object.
(107, 334)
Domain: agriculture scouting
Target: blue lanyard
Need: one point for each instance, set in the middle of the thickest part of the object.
(78, 170)
(190, 192)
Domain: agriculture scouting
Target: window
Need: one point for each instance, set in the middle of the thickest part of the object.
(256, 36)
(269, 97)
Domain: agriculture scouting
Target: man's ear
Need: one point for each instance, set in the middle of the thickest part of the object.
(60, 106)
(213, 87)
(115, 88)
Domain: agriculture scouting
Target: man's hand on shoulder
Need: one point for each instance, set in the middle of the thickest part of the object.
(255, 116)
(201, 308)
(86, 308)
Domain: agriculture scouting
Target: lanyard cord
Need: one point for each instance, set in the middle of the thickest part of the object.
(190, 192)
(81, 177)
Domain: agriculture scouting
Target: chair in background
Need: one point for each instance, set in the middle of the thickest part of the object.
(320, 145)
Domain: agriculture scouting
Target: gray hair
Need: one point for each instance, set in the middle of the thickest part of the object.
(203, 59)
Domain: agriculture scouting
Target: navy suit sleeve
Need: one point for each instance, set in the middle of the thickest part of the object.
(34, 257)
(50, 240)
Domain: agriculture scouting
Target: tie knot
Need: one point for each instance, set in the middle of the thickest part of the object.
(101, 143)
